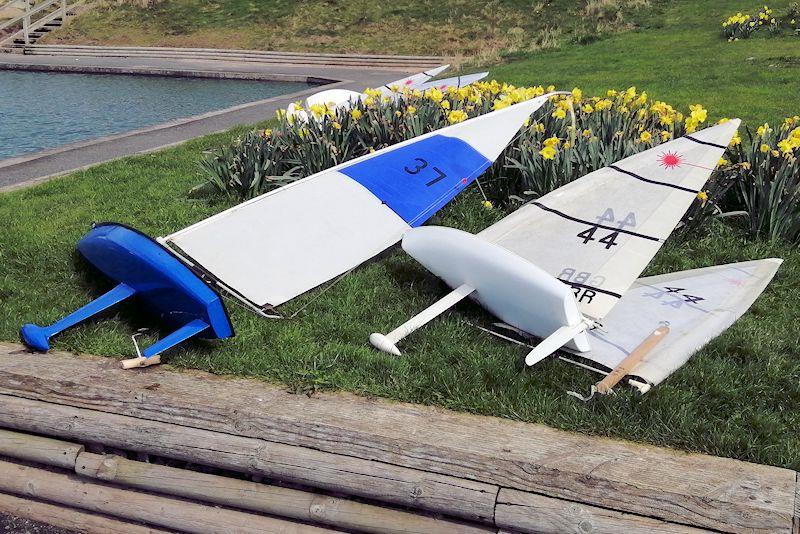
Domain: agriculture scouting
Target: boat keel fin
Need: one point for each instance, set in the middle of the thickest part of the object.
(553, 342)
(38, 337)
(150, 355)
(388, 342)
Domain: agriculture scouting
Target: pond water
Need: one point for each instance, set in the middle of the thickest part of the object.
(41, 110)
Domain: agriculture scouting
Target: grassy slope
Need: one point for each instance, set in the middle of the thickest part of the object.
(735, 398)
(680, 57)
(452, 27)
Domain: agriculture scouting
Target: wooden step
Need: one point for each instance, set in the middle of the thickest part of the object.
(586, 481)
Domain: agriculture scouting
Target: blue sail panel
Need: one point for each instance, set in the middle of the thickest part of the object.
(418, 179)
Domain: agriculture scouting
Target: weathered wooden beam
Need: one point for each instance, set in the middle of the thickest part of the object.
(528, 512)
(40, 450)
(71, 518)
(171, 513)
(282, 502)
(342, 474)
(796, 519)
(692, 489)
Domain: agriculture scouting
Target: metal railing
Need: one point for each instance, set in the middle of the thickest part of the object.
(35, 16)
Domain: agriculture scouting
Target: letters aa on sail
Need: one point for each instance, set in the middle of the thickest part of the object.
(268, 250)
(598, 233)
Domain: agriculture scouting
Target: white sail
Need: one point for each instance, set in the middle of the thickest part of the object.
(455, 81)
(270, 249)
(413, 81)
(698, 305)
(598, 233)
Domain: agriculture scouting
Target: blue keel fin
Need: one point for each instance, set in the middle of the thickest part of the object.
(150, 355)
(38, 337)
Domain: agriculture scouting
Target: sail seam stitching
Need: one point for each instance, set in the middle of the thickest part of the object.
(582, 221)
(648, 180)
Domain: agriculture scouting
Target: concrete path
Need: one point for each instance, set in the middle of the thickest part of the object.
(33, 168)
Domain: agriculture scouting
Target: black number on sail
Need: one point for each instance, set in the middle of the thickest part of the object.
(610, 240)
(587, 235)
(422, 164)
(440, 176)
(691, 299)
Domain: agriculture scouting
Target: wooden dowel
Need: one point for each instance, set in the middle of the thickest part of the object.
(70, 518)
(167, 512)
(39, 450)
(625, 366)
(275, 500)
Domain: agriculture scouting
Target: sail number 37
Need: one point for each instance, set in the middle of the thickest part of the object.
(422, 164)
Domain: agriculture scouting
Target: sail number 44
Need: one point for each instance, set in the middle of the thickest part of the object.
(610, 239)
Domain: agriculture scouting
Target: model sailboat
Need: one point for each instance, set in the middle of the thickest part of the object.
(286, 242)
(343, 98)
(558, 266)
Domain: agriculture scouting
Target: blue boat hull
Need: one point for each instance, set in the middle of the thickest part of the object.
(145, 269)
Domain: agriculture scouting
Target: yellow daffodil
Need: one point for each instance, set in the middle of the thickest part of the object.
(487, 204)
(762, 130)
(722, 162)
(765, 148)
(445, 104)
(434, 94)
(548, 152)
(736, 141)
(645, 137)
(411, 110)
(559, 114)
(552, 142)
(577, 94)
(665, 135)
(540, 127)
(455, 116)
(356, 114)
(336, 125)
(702, 196)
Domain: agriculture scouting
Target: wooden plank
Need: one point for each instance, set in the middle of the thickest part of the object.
(354, 476)
(796, 519)
(692, 489)
(537, 514)
(40, 450)
(177, 514)
(275, 500)
(71, 518)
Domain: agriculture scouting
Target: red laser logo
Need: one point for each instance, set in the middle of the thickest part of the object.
(670, 160)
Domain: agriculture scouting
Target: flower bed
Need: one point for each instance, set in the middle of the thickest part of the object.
(574, 136)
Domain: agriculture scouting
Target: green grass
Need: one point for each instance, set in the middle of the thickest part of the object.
(737, 397)
(679, 56)
(451, 27)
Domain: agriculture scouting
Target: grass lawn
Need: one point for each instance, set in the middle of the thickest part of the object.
(738, 397)
(735, 398)
(680, 57)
